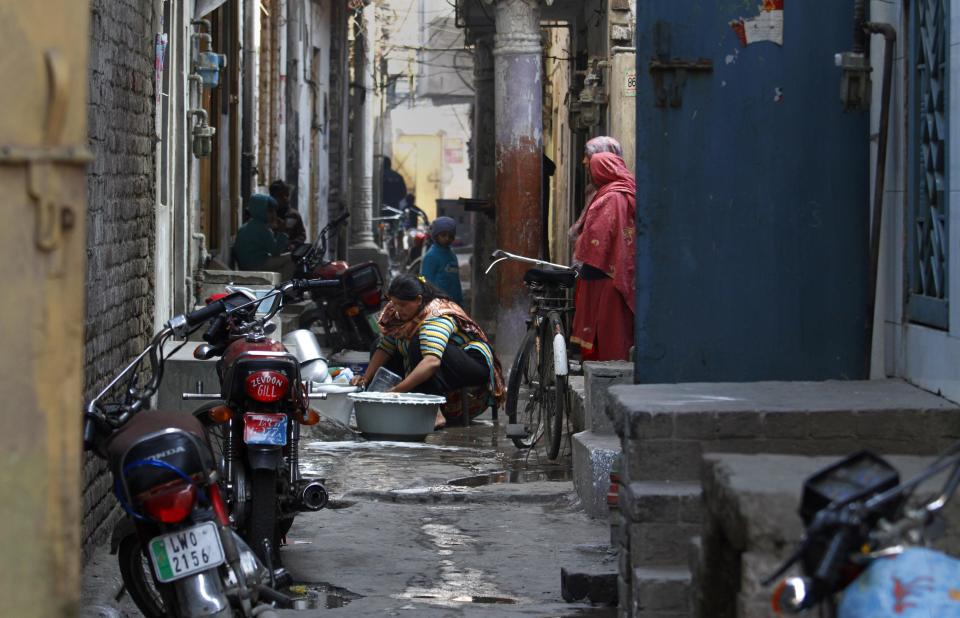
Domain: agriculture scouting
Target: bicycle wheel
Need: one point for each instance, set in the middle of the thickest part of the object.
(554, 383)
(523, 392)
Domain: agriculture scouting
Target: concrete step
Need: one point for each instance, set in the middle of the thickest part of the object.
(661, 519)
(598, 378)
(666, 502)
(577, 403)
(600, 588)
(593, 457)
(661, 592)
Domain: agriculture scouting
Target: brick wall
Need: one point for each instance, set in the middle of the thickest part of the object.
(120, 216)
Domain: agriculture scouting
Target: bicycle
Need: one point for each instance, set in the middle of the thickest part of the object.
(541, 366)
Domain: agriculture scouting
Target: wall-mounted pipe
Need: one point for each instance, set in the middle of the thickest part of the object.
(251, 11)
(889, 40)
(859, 32)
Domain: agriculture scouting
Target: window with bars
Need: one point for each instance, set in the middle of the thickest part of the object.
(927, 241)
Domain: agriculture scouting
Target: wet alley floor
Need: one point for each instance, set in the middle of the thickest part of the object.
(461, 525)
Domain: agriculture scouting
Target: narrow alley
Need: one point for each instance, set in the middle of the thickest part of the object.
(463, 524)
(495, 308)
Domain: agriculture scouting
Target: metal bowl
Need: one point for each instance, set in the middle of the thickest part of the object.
(336, 405)
(407, 417)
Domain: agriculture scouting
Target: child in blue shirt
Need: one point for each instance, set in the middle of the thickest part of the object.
(440, 266)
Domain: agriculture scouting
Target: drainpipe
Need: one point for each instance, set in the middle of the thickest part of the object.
(484, 286)
(890, 39)
(295, 14)
(247, 166)
(518, 85)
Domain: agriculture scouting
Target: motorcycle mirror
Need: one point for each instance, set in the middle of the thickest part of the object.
(269, 328)
(203, 351)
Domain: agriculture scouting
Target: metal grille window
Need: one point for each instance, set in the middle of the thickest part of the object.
(927, 234)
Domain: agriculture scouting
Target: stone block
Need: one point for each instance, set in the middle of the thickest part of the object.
(593, 457)
(598, 378)
(598, 588)
(655, 544)
(577, 406)
(180, 375)
(661, 591)
(241, 277)
(647, 426)
(661, 460)
(661, 502)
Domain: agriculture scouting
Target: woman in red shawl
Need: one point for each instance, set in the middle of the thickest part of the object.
(603, 324)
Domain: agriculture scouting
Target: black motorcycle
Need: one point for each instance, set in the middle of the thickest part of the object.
(178, 555)
(344, 316)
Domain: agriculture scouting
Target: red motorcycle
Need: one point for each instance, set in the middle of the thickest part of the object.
(178, 555)
(255, 428)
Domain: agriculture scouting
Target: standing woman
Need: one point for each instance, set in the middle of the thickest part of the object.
(601, 143)
(603, 323)
(438, 348)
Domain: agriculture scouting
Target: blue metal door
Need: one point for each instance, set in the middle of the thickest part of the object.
(752, 200)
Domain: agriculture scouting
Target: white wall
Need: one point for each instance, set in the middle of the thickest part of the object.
(925, 356)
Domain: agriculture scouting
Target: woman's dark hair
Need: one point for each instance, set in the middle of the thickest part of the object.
(408, 287)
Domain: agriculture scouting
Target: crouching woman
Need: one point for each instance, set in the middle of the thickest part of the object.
(438, 349)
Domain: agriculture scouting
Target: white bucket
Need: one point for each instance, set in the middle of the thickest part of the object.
(337, 405)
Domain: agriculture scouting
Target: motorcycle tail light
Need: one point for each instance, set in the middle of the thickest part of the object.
(170, 504)
(352, 311)
(267, 386)
(371, 299)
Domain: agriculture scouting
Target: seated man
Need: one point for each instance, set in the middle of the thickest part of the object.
(258, 245)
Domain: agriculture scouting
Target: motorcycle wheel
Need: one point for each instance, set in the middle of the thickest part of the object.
(137, 574)
(262, 522)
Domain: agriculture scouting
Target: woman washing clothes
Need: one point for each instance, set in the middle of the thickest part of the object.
(438, 349)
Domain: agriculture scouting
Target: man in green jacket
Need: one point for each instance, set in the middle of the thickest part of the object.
(258, 245)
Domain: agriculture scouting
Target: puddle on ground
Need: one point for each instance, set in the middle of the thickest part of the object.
(456, 584)
(320, 596)
(514, 476)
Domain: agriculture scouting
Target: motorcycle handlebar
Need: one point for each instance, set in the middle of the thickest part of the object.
(316, 284)
(205, 313)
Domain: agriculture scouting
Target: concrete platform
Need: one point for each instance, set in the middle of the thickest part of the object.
(593, 457)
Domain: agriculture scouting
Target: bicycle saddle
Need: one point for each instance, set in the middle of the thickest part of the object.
(563, 278)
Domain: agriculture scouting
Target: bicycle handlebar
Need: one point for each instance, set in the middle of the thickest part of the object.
(500, 255)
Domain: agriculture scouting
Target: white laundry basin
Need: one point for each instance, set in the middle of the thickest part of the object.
(396, 416)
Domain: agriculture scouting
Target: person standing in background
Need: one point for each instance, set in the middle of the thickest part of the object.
(292, 222)
(440, 266)
(393, 188)
(602, 143)
(604, 298)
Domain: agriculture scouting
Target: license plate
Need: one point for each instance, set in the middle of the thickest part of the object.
(269, 429)
(180, 554)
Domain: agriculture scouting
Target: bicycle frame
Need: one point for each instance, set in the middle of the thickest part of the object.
(548, 326)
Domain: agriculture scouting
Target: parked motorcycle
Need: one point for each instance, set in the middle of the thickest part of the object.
(178, 555)
(256, 429)
(401, 235)
(864, 549)
(346, 314)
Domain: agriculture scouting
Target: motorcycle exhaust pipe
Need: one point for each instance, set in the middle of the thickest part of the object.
(314, 496)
